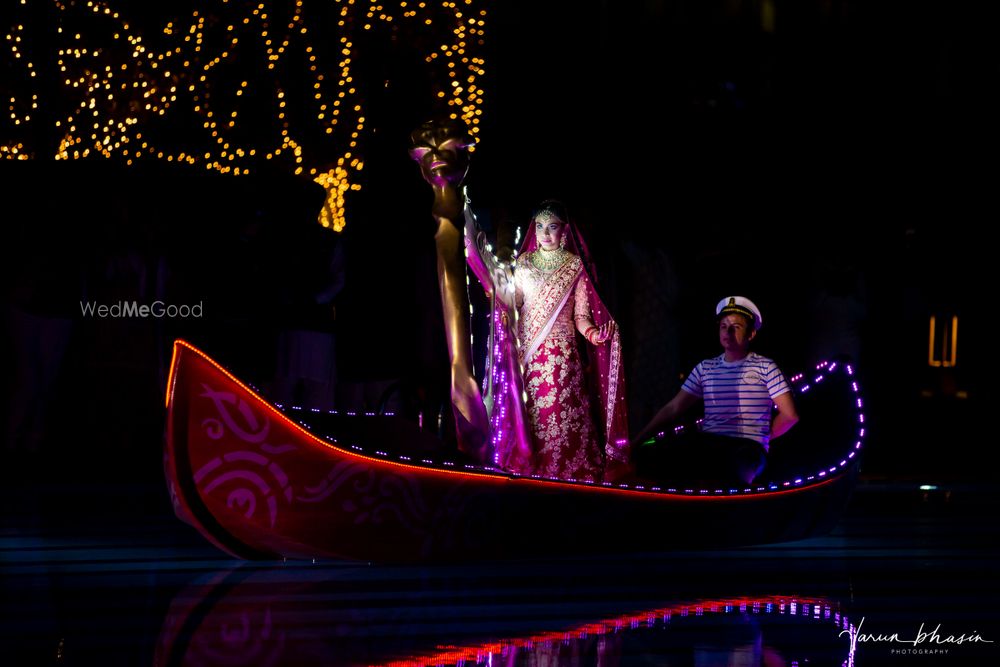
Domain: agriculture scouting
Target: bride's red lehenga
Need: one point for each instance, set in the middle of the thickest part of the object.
(562, 429)
(549, 416)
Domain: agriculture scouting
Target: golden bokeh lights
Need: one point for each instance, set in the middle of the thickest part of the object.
(227, 87)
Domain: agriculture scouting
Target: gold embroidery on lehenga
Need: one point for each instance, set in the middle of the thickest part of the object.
(558, 405)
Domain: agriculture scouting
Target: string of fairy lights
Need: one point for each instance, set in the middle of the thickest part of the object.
(230, 86)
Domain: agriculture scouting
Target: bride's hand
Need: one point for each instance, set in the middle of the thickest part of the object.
(604, 332)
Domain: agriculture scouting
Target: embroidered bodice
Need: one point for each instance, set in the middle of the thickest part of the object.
(540, 292)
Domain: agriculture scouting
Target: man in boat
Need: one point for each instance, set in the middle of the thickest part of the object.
(738, 388)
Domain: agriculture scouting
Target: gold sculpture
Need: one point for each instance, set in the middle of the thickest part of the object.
(440, 147)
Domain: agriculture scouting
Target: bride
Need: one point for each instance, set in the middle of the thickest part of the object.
(548, 416)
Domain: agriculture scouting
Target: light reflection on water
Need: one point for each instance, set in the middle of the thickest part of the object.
(235, 619)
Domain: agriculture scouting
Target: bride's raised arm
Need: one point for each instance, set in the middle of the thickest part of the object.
(495, 275)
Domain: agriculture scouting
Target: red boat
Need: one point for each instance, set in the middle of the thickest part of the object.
(263, 482)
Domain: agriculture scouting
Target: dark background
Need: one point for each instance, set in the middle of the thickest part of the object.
(834, 165)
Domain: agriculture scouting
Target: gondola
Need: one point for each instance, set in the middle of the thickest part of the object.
(261, 481)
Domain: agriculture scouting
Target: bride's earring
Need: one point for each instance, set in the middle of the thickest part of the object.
(562, 242)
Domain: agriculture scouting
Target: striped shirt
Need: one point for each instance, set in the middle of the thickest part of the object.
(738, 395)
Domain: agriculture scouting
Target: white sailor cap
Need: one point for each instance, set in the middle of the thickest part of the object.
(742, 306)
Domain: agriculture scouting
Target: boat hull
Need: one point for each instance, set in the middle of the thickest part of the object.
(260, 485)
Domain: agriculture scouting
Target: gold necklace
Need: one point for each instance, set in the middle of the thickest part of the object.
(549, 260)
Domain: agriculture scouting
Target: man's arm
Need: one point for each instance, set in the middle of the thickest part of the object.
(786, 417)
(669, 412)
